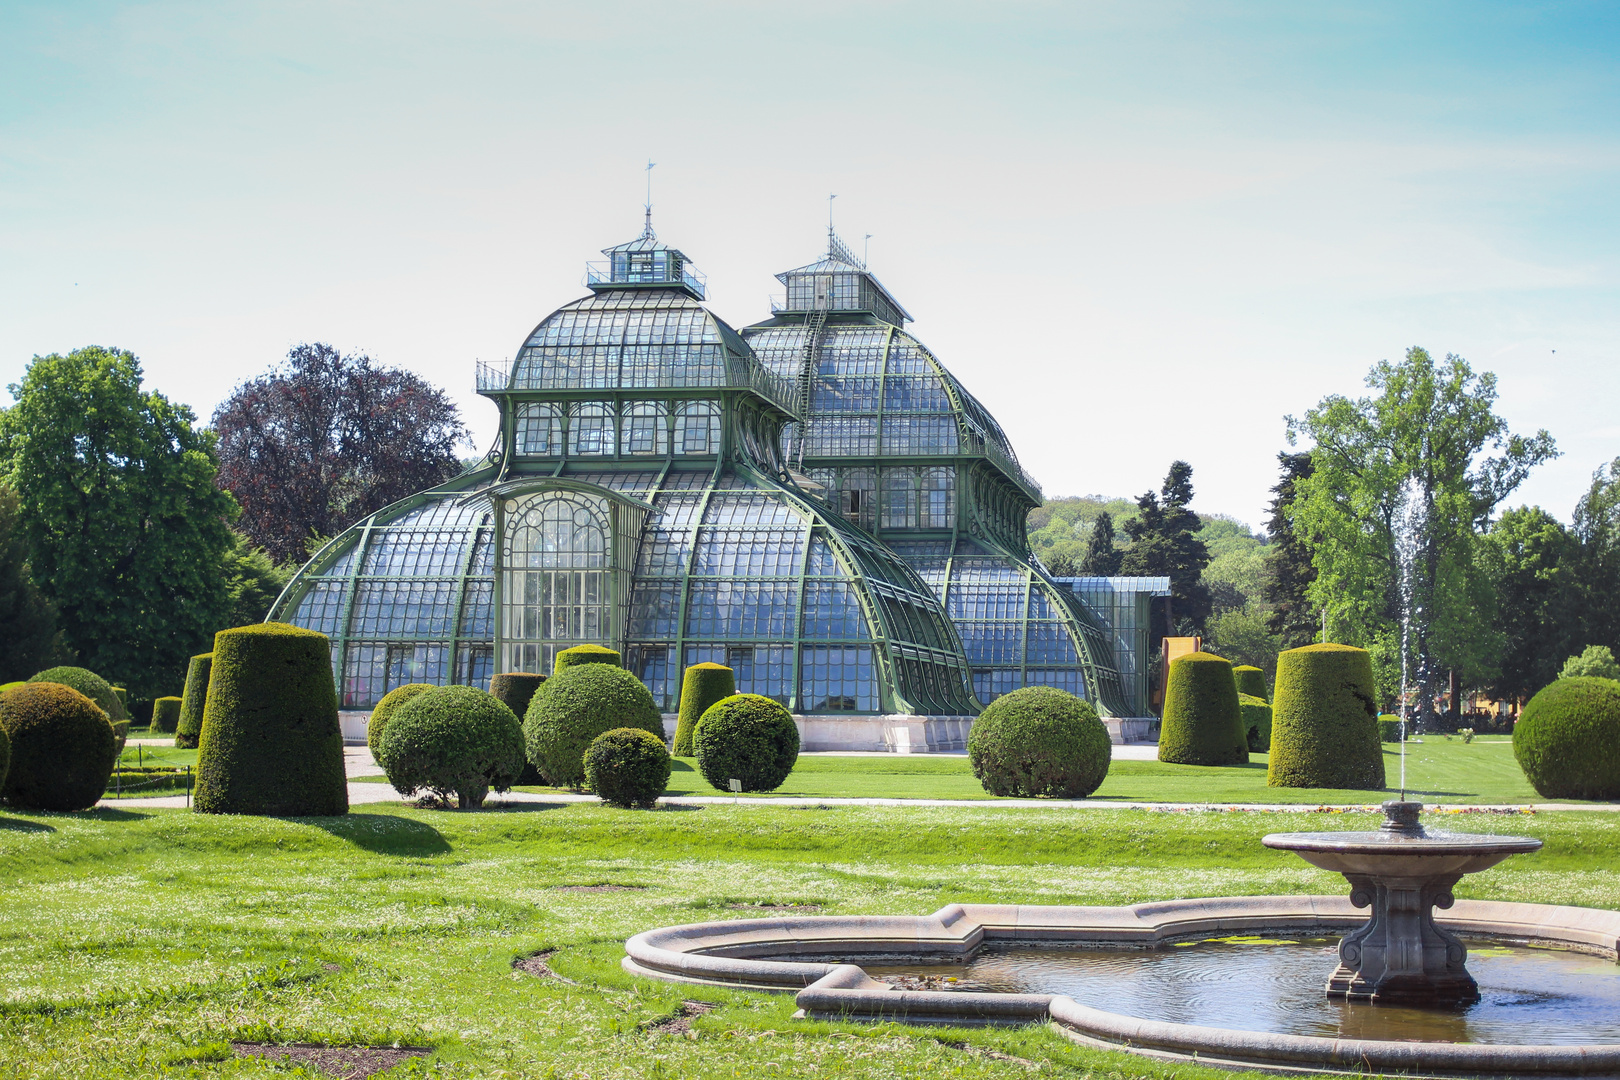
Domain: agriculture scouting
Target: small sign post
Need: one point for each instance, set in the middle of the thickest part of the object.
(736, 791)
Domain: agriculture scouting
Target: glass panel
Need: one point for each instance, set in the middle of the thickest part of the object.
(854, 436)
(822, 562)
(322, 607)
(992, 642)
(555, 588)
(371, 669)
(766, 670)
(899, 498)
(697, 428)
(831, 611)
(591, 430)
(398, 552)
(650, 664)
(1049, 643)
(989, 685)
(835, 678)
(1064, 679)
(748, 552)
(478, 610)
(474, 666)
(914, 393)
(919, 434)
(742, 609)
(403, 609)
(937, 498)
(539, 429)
(654, 609)
(645, 429)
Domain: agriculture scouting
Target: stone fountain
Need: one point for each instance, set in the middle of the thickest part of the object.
(1403, 872)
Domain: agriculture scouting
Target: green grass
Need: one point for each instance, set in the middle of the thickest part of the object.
(164, 756)
(136, 942)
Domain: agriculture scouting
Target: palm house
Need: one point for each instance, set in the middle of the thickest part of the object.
(814, 501)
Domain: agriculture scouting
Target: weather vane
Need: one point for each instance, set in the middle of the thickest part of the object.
(647, 229)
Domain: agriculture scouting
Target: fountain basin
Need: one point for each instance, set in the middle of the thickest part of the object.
(818, 957)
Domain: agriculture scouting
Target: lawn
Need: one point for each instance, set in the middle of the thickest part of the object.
(136, 943)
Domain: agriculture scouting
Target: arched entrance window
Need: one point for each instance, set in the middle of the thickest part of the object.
(556, 587)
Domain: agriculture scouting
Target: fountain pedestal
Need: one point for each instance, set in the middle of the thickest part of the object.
(1402, 872)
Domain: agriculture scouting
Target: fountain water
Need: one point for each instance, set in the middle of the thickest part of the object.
(1410, 527)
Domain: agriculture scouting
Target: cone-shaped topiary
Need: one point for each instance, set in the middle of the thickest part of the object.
(515, 689)
(1256, 722)
(1202, 722)
(270, 741)
(746, 737)
(165, 715)
(62, 747)
(1252, 681)
(385, 709)
(123, 702)
(584, 654)
(576, 705)
(452, 740)
(627, 767)
(1039, 742)
(1567, 739)
(89, 684)
(702, 686)
(1324, 722)
(192, 700)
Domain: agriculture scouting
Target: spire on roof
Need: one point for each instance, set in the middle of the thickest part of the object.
(836, 249)
(647, 229)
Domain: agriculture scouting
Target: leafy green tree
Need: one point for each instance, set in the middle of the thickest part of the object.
(29, 638)
(1528, 555)
(1164, 544)
(1595, 661)
(1418, 447)
(253, 581)
(1293, 619)
(126, 528)
(1103, 557)
(1243, 635)
(1593, 590)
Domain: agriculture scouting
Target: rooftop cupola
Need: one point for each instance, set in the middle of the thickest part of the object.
(644, 263)
(838, 282)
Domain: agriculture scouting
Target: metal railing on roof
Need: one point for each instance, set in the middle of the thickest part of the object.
(601, 273)
(976, 445)
(740, 374)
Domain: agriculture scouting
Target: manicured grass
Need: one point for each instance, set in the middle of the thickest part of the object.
(135, 943)
(166, 756)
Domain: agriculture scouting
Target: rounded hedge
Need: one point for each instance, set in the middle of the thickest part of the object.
(576, 705)
(1256, 722)
(1202, 724)
(701, 686)
(270, 741)
(1389, 727)
(452, 740)
(5, 757)
(89, 684)
(1252, 681)
(165, 715)
(584, 654)
(1324, 720)
(62, 748)
(515, 689)
(1039, 742)
(746, 737)
(192, 700)
(1567, 739)
(385, 709)
(12, 685)
(627, 767)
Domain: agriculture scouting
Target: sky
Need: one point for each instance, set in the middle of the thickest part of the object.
(1138, 231)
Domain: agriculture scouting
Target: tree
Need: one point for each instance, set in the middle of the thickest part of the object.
(126, 528)
(1415, 452)
(326, 439)
(29, 638)
(1595, 661)
(1293, 618)
(1102, 557)
(1593, 589)
(1163, 545)
(1528, 556)
(253, 581)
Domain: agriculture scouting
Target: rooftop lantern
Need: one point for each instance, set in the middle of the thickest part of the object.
(645, 262)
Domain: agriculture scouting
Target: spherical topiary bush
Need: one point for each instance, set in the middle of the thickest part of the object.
(192, 700)
(89, 684)
(627, 767)
(702, 686)
(1202, 722)
(62, 747)
(1039, 742)
(746, 737)
(584, 654)
(270, 742)
(1324, 720)
(576, 705)
(452, 739)
(384, 710)
(1252, 681)
(165, 715)
(1256, 722)
(1567, 739)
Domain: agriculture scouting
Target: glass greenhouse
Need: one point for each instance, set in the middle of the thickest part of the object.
(814, 502)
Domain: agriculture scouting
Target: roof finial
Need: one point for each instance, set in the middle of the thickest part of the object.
(647, 229)
(830, 199)
(866, 249)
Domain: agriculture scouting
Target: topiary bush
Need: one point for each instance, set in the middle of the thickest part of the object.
(584, 654)
(192, 700)
(576, 705)
(1323, 720)
(62, 748)
(89, 684)
(1256, 723)
(1039, 742)
(123, 702)
(385, 709)
(1389, 727)
(1567, 739)
(701, 686)
(746, 737)
(165, 715)
(515, 689)
(452, 740)
(1252, 681)
(5, 756)
(270, 741)
(1203, 724)
(627, 767)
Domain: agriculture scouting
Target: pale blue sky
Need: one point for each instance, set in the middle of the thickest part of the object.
(1138, 231)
